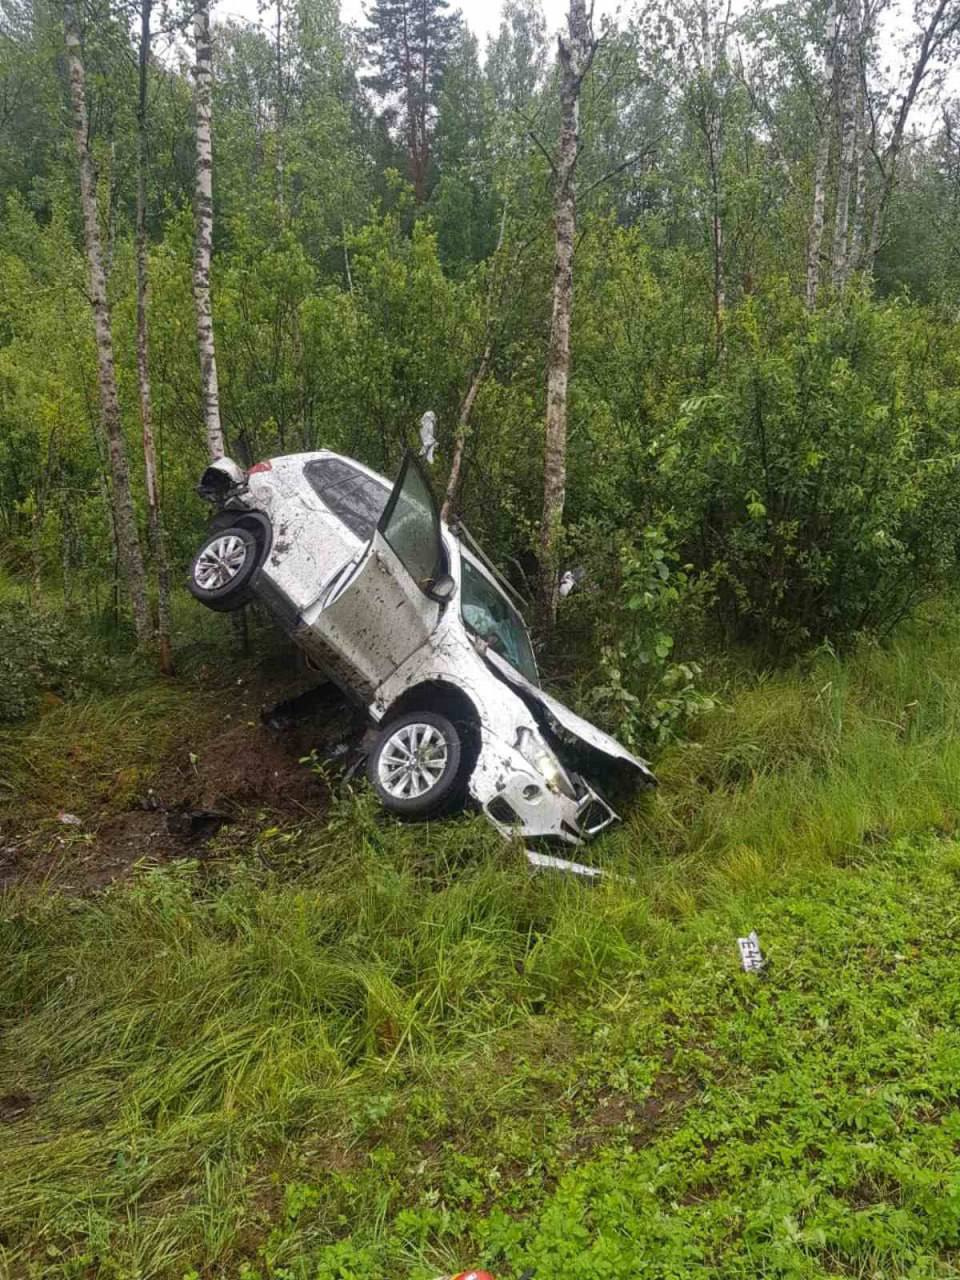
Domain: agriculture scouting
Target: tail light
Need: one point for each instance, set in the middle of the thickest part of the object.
(260, 466)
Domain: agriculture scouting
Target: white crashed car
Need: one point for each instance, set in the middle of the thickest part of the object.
(411, 620)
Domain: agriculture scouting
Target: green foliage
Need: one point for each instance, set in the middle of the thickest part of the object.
(49, 654)
(646, 695)
(821, 470)
(810, 478)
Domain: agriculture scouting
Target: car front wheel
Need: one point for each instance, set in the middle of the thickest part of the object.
(416, 764)
(222, 569)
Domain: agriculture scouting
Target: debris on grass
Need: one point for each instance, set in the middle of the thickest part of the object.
(547, 862)
(751, 957)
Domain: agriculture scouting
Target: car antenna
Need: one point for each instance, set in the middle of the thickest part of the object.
(479, 552)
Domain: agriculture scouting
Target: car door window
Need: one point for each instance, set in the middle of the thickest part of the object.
(356, 499)
(411, 526)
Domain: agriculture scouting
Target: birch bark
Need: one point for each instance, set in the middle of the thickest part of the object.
(203, 98)
(848, 114)
(154, 515)
(822, 163)
(121, 497)
(859, 216)
(711, 123)
(576, 50)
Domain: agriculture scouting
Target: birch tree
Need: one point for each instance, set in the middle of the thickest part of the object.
(709, 112)
(129, 552)
(855, 257)
(154, 514)
(822, 162)
(203, 107)
(934, 44)
(576, 50)
(848, 140)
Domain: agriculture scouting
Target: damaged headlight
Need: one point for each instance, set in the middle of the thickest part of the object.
(537, 754)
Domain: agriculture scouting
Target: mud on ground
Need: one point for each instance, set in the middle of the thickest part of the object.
(227, 770)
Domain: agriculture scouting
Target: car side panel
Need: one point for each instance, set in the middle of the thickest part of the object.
(309, 544)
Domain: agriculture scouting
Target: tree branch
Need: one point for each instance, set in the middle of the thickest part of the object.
(612, 173)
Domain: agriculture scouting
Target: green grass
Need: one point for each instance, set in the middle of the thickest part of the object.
(95, 751)
(368, 1050)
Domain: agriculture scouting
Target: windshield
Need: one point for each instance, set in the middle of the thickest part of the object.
(491, 616)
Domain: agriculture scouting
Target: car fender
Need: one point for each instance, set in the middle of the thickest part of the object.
(450, 657)
(566, 723)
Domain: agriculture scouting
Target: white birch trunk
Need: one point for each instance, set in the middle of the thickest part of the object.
(154, 514)
(822, 163)
(860, 181)
(848, 114)
(712, 126)
(203, 101)
(576, 51)
(121, 497)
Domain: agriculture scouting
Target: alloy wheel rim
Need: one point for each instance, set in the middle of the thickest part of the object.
(220, 562)
(413, 761)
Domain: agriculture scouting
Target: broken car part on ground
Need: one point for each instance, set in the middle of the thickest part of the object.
(408, 617)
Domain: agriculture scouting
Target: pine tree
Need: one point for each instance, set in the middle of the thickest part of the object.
(409, 42)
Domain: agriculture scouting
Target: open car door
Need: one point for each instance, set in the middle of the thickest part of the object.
(381, 612)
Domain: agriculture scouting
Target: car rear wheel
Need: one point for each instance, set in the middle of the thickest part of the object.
(222, 568)
(416, 764)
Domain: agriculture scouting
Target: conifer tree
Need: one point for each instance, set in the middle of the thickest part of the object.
(409, 42)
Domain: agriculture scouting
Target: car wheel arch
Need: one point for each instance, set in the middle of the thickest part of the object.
(257, 523)
(446, 699)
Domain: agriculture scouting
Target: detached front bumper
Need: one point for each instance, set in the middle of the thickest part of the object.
(524, 804)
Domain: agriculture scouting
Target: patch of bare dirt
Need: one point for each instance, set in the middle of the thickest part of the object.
(638, 1122)
(13, 1106)
(242, 766)
(237, 770)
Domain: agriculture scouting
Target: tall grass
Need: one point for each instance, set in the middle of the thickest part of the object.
(192, 1046)
(809, 766)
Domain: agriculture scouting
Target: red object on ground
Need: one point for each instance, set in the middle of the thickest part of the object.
(472, 1275)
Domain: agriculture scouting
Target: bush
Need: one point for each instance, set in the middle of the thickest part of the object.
(818, 480)
(636, 597)
(43, 652)
(809, 475)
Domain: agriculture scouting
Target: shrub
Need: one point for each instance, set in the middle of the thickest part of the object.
(818, 479)
(43, 652)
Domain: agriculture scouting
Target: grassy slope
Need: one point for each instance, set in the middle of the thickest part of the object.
(393, 1050)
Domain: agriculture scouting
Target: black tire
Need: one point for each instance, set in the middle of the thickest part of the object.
(447, 782)
(245, 554)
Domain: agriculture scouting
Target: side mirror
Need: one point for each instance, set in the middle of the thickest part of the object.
(443, 589)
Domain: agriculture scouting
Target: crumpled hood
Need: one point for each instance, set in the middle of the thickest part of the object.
(585, 732)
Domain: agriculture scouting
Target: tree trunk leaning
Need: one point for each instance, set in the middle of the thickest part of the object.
(121, 497)
(466, 408)
(942, 22)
